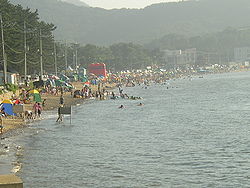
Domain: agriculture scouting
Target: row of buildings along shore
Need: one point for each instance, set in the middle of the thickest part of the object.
(181, 58)
(192, 56)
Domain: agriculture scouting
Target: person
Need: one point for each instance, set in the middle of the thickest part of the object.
(3, 113)
(39, 110)
(140, 104)
(61, 102)
(60, 117)
(35, 108)
(121, 106)
(1, 129)
(43, 103)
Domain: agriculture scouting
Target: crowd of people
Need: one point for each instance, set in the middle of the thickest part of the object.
(100, 88)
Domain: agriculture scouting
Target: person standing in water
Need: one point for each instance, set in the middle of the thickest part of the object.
(39, 109)
(60, 117)
(61, 102)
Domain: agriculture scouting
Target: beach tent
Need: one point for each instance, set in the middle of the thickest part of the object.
(8, 107)
(36, 94)
(60, 83)
(64, 78)
(86, 83)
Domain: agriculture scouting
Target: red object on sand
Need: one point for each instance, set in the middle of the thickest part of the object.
(98, 69)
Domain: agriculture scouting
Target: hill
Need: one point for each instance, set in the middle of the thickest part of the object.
(76, 2)
(100, 26)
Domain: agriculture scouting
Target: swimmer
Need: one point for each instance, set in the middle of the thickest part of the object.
(140, 104)
(121, 106)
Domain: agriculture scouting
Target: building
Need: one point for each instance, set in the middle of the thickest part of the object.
(242, 54)
(98, 69)
(176, 58)
(12, 78)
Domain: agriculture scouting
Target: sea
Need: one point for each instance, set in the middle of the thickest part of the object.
(192, 132)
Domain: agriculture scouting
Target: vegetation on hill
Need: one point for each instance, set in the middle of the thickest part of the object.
(104, 27)
(119, 55)
(14, 17)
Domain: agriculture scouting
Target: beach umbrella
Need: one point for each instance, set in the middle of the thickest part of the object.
(36, 94)
(7, 105)
(86, 83)
(7, 101)
(37, 97)
(33, 91)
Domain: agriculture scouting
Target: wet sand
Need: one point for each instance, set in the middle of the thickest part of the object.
(13, 125)
(52, 102)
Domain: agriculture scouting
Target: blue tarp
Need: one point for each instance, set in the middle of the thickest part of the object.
(8, 109)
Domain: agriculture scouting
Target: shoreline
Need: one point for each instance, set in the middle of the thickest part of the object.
(52, 103)
(13, 127)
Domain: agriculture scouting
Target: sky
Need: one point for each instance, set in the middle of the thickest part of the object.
(109, 4)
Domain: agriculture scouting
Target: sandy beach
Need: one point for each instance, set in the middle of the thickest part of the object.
(13, 125)
(52, 102)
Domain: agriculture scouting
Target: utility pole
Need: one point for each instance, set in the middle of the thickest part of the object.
(4, 55)
(55, 58)
(65, 56)
(25, 52)
(76, 60)
(41, 55)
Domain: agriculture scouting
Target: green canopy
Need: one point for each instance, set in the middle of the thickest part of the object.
(59, 82)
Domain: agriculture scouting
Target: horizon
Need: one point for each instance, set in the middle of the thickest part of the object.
(130, 4)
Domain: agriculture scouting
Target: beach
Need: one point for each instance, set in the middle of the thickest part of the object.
(52, 102)
(13, 125)
(188, 132)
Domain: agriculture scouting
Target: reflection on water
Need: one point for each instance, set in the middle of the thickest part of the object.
(195, 134)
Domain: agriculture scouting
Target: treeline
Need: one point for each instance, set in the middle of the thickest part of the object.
(121, 56)
(20, 23)
(16, 23)
(220, 44)
(106, 27)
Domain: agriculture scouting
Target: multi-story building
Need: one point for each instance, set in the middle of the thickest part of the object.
(242, 54)
(177, 58)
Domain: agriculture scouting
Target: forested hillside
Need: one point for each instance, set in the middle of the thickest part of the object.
(14, 18)
(100, 26)
(21, 25)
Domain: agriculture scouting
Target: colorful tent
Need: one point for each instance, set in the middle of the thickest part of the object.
(8, 107)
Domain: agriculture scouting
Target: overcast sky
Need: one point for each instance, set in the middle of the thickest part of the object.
(109, 4)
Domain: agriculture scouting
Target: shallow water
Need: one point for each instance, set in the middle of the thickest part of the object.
(196, 134)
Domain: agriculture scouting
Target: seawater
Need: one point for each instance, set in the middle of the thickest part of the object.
(196, 133)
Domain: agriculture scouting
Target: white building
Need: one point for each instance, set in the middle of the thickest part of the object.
(180, 57)
(242, 54)
(11, 78)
